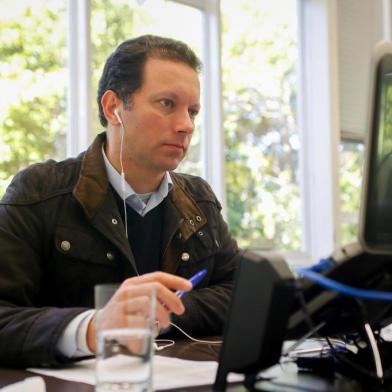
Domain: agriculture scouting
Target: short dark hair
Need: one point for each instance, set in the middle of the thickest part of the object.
(124, 68)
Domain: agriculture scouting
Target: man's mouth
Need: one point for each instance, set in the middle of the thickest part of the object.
(176, 146)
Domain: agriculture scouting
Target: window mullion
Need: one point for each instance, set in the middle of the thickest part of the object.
(79, 133)
(213, 138)
(318, 118)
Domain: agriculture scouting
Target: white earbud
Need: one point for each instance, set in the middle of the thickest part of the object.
(117, 114)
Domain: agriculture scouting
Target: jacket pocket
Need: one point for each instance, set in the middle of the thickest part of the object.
(79, 245)
(81, 259)
(198, 253)
(200, 246)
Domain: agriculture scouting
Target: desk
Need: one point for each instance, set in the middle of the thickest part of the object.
(182, 349)
(195, 351)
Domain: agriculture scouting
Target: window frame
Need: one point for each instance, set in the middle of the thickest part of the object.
(79, 132)
(318, 122)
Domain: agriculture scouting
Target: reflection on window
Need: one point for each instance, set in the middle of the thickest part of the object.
(351, 159)
(259, 92)
(33, 83)
(114, 21)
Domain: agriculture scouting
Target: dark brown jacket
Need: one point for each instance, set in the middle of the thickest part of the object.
(45, 282)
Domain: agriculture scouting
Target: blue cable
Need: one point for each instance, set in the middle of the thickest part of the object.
(322, 265)
(342, 288)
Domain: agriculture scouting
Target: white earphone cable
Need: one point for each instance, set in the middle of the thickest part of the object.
(123, 174)
(194, 339)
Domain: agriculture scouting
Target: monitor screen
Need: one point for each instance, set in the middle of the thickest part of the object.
(376, 233)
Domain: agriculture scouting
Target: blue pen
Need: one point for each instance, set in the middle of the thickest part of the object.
(195, 279)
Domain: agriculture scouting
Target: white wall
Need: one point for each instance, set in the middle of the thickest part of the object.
(360, 27)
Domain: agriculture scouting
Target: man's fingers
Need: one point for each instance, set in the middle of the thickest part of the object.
(137, 305)
(163, 316)
(163, 295)
(169, 280)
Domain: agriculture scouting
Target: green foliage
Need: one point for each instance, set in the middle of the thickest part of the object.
(33, 131)
(29, 44)
(350, 189)
(260, 135)
(33, 116)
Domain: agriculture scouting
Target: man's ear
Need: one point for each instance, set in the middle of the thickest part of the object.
(111, 107)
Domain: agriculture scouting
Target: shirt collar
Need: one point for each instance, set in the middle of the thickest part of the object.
(130, 195)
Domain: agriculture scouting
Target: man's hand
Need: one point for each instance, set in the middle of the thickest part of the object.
(132, 298)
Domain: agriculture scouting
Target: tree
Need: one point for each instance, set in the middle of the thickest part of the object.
(261, 137)
(32, 73)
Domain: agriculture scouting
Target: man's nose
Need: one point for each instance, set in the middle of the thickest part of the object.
(184, 122)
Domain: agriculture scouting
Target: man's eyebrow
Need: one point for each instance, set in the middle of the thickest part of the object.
(173, 95)
(168, 93)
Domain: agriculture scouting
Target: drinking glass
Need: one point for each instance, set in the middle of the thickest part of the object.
(124, 348)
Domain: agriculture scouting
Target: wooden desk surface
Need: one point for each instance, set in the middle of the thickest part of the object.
(184, 349)
(288, 379)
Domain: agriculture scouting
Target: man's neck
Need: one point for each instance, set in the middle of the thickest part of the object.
(142, 181)
(139, 178)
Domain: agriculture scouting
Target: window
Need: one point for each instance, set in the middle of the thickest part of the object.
(259, 56)
(33, 81)
(351, 162)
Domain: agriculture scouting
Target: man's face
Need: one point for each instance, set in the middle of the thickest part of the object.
(160, 122)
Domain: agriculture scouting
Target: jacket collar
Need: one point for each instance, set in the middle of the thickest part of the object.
(92, 186)
(193, 218)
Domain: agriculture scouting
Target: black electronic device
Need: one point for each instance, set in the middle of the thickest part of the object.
(368, 263)
(257, 320)
(376, 211)
(330, 313)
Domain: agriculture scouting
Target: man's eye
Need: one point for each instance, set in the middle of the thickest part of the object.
(167, 103)
(193, 113)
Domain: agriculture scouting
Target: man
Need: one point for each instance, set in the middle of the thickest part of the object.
(116, 213)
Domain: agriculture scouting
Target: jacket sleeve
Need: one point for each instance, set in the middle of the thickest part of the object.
(206, 308)
(29, 330)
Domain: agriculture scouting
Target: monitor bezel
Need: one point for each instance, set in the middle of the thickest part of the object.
(381, 60)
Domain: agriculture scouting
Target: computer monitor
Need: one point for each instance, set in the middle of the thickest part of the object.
(376, 208)
(368, 263)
